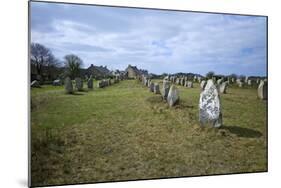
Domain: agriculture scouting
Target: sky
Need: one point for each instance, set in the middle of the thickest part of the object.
(156, 40)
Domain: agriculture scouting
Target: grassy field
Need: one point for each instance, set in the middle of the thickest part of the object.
(125, 132)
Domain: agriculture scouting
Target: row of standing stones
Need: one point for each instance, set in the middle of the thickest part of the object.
(210, 112)
(79, 84)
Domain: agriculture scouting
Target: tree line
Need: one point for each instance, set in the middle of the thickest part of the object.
(47, 66)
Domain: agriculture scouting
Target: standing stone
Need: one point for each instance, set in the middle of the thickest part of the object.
(35, 83)
(203, 84)
(262, 90)
(249, 82)
(173, 96)
(151, 87)
(199, 79)
(223, 87)
(219, 81)
(90, 83)
(100, 84)
(189, 84)
(156, 88)
(165, 89)
(209, 106)
(68, 85)
(79, 84)
(57, 82)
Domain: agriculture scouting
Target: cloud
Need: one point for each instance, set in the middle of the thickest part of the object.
(160, 41)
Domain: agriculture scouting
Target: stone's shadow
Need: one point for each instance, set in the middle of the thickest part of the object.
(242, 132)
(77, 93)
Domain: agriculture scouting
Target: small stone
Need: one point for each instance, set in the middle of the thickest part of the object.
(79, 84)
(35, 83)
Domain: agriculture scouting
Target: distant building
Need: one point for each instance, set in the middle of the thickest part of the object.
(97, 71)
(134, 72)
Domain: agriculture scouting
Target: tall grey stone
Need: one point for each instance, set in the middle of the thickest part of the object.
(203, 84)
(173, 96)
(209, 106)
(151, 87)
(68, 85)
(262, 90)
(90, 83)
(165, 89)
(189, 84)
(223, 87)
(79, 84)
(156, 88)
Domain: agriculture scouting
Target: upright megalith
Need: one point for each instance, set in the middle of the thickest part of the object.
(165, 89)
(156, 88)
(203, 84)
(68, 85)
(173, 96)
(151, 87)
(189, 84)
(223, 87)
(262, 90)
(90, 83)
(209, 106)
(79, 84)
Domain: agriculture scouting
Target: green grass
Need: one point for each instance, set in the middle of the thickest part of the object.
(125, 132)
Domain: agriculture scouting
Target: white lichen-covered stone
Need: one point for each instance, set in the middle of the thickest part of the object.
(209, 106)
(262, 90)
(68, 85)
(173, 96)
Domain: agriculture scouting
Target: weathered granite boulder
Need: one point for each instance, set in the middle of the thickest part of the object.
(223, 87)
(262, 90)
(189, 84)
(173, 96)
(35, 83)
(90, 83)
(156, 88)
(79, 84)
(209, 106)
(249, 82)
(151, 87)
(203, 84)
(100, 84)
(165, 89)
(57, 82)
(68, 85)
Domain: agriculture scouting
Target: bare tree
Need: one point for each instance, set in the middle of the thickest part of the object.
(42, 58)
(73, 64)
